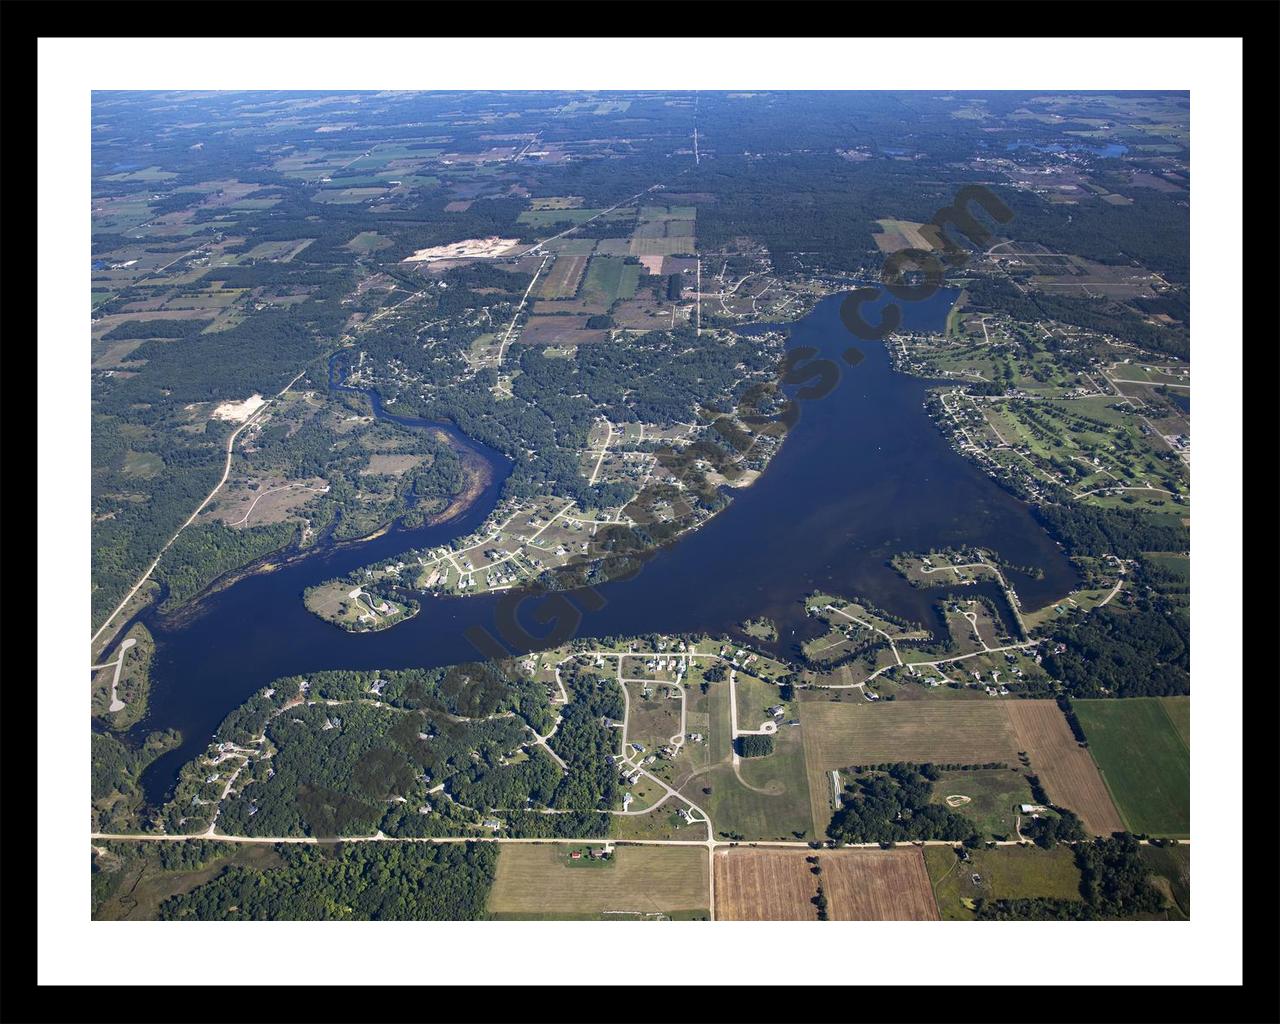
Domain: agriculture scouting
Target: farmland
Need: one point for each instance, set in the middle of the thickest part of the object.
(903, 234)
(842, 733)
(860, 885)
(1144, 760)
(536, 882)
(563, 279)
(1065, 769)
(839, 734)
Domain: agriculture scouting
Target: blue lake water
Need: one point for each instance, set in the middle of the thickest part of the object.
(1108, 150)
(863, 475)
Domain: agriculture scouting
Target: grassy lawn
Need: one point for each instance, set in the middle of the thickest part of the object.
(754, 696)
(993, 797)
(1144, 761)
(1007, 872)
(771, 800)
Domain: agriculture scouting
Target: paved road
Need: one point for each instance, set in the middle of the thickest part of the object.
(116, 703)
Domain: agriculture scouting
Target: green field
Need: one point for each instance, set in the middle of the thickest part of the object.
(993, 797)
(1144, 761)
(1005, 873)
(754, 697)
(537, 882)
(768, 797)
(609, 278)
(1171, 874)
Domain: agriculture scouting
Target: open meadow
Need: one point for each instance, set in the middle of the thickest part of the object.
(541, 882)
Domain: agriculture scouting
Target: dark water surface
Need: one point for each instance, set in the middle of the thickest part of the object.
(862, 475)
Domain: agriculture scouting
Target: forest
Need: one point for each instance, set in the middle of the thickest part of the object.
(892, 806)
(348, 882)
(412, 753)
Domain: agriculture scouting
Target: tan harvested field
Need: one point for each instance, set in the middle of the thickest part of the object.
(844, 733)
(565, 276)
(1066, 770)
(390, 465)
(860, 885)
(901, 234)
(272, 501)
(537, 881)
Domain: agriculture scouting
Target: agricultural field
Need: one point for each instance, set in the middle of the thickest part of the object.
(1144, 759)
(555, 202)
(562, 281)
(860, 885)
(560, 330)
(1065, 769)
(561, 216)
(367, 242)
(538, 882)
(848, 732)
(904, 234)
(610, 278)
(840, 734)
(1005, 873)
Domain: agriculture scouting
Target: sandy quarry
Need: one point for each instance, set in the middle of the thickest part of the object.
(238, 412)
(491, 246)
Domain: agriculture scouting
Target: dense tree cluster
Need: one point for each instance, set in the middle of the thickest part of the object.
(413, 753)
(352, 882)
(1115, 883)
(893, 806)
(1125, 533)
(1122, 652)
(754, 746)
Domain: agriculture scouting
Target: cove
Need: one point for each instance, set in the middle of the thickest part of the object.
(862, 475)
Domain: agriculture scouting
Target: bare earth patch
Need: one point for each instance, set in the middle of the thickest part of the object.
(238, 412)
(491, 246)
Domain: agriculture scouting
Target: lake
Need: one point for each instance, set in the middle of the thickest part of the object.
(863, 475)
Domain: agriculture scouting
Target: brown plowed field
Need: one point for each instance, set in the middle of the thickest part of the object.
(860, 885)
(1066, 770)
